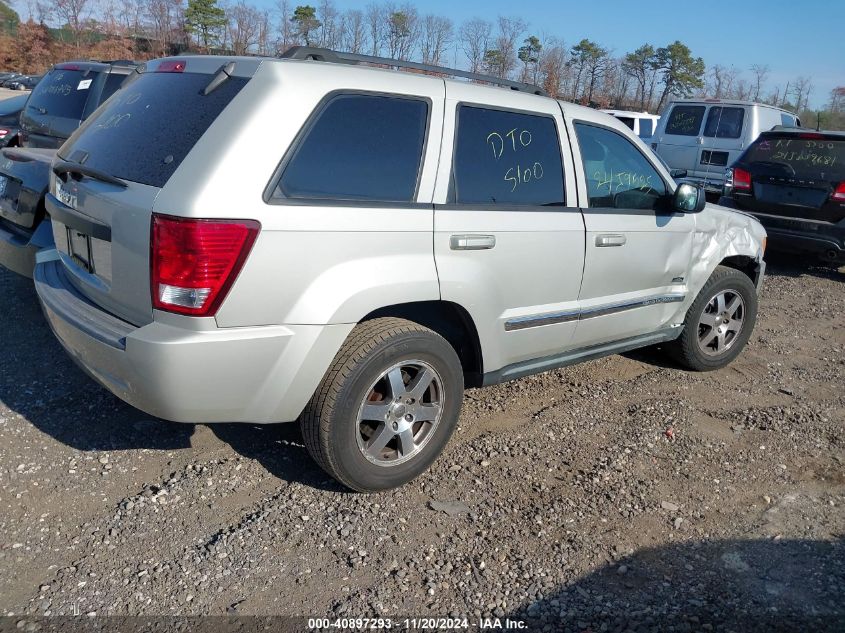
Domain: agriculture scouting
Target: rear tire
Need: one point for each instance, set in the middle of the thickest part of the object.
(719, 322)
(386, 407)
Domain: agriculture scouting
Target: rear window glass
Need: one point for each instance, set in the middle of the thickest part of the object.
(685, 120)
(793, 157)
(145, 132)
(360, 147)
(724, 122)
(646, 128)
(62, 93)
(627, 121)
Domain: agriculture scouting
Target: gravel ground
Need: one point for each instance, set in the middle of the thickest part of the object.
(621, 494)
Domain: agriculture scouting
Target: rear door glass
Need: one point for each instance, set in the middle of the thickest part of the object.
(360, 147)
(685, 120)
(793, 157)
(113, 82)
(159, 116)
(724, 122)
(646, 128)
(507, 158)
(62, 93)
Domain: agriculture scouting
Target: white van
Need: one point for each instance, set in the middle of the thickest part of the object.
(642, 123)
(704, 136)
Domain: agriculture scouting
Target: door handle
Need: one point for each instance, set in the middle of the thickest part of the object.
(472, 242)
(608, 239)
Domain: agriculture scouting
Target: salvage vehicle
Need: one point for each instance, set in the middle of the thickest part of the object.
(68, 94)
(704, 136)
(10, 115)
(393, 238)
(793, 181)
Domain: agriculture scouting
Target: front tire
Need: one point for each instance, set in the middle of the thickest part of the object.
(386, 407)
(719, 322)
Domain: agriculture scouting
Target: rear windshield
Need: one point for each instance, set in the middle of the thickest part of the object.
(792, 157)
(62, 93)
(160, 116)
(685, 120)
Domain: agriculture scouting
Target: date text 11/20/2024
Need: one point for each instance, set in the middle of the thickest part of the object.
(415, 624)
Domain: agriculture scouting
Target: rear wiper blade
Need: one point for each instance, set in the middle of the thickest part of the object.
(38, 109)
(66, 167)
(222, 75)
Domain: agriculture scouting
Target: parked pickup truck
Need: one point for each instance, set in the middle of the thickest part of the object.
(61, 101)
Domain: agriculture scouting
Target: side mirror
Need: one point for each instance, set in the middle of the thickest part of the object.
(678, 173)
(688, 198)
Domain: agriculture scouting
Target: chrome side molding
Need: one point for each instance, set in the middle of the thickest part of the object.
(552, 318)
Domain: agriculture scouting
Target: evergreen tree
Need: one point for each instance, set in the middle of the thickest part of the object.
(305, 19)
(203, 18)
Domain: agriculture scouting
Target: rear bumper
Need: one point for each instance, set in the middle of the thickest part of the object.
(248, 374)
(799, 234)
(18, 248)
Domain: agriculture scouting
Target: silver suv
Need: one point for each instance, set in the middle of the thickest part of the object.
(266, 240)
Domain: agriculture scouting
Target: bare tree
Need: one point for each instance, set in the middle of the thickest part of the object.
(510, 29)
(375, 18)
(244, 27)
(330, 24)
(474, 37)
(286, 32)
(722, 80)
(553, 69)
(354, 31)
(436, 35)
(761, 73)
(403, 31)
(801, 89)
(265, 28)
(160, 14)
(73, 13)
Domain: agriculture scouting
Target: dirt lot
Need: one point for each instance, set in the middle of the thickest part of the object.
(622, 494)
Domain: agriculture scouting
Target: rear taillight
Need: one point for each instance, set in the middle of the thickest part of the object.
(741, 179)
(193, 263)
(3, 132)
(839, 193)
(171, 66)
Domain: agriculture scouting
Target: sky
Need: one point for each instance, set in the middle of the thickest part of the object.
(793, 37)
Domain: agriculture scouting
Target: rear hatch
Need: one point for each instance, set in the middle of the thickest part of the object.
(108, 174)
(796, 175)
(57, 106)
(24, 179)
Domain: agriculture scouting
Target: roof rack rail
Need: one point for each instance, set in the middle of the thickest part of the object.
(337, 57)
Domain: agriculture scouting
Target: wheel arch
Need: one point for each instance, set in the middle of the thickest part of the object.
(452, 322)
(745, 264)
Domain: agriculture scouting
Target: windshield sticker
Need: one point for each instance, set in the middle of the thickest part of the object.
(84, 84)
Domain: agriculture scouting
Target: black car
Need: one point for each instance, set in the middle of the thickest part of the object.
(793, 181)
(10, 114)
(57, 106)
(27, 82)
